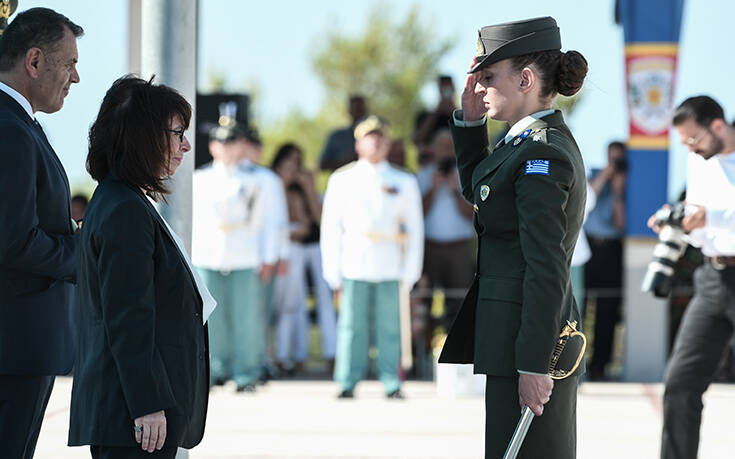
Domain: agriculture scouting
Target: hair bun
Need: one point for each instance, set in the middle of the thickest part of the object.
(571, 73)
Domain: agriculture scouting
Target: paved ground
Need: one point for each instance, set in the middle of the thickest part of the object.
(304, 420)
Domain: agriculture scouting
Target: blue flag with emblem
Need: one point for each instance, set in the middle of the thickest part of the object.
(537, 167)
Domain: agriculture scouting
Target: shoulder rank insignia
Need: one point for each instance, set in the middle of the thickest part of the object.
(539, 135)
(484, 192)
(521, 137)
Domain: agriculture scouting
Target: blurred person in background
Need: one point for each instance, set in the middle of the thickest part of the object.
(303, 182)
(372, 240)
(397, 153)
(603, 276)
(340, 146)
(141, 379)
(235, 247)
(272, 247)
(38, 247)
(449, 248)
(79, 204)
(429, 122)
(304, 214)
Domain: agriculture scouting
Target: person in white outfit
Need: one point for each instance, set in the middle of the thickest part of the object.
(372, 240)
(235, 245)
(276, 254)
(304, 215)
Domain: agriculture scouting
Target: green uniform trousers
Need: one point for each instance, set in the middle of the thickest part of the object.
(364, 303)
(236, 334)
(268, 319)
(553, 435)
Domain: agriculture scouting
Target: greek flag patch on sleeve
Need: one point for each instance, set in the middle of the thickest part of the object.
(537, 167)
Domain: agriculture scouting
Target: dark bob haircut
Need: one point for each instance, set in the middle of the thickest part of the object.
(34, 28)
(130, 137)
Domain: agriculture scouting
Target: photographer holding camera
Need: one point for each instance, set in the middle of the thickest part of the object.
(708, 322)
(603, 275)
(429, 123)
(449, 250)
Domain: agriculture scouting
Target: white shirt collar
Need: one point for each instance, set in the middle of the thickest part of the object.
(523, 124)
(18, 98)
(379, 167)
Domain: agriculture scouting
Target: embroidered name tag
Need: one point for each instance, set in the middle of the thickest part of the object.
(537, 167)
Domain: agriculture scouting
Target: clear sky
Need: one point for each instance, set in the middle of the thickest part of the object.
(269, 44)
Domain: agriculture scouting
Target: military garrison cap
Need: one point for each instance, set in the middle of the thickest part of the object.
(370, 124)
(228, 128)
(226, 133)
(501, 41)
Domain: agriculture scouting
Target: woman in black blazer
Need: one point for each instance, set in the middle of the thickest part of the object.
(141, 380)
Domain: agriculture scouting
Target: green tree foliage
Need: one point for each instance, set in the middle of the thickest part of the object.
(388, 62)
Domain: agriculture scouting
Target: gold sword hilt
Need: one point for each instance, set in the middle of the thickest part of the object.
(568, 332)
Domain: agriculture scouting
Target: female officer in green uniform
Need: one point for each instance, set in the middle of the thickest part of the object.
(528, 193)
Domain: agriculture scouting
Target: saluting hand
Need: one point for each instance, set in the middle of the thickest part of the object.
(153, 433)
(473, 106)
(534, 391)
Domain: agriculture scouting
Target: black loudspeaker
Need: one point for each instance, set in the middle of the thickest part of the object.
(208, 112)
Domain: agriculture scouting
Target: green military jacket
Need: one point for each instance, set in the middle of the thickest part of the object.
(529, 196)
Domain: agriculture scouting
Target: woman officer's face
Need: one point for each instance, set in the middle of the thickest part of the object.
(500, 85)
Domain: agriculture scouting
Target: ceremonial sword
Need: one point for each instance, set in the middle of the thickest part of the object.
(569, 331)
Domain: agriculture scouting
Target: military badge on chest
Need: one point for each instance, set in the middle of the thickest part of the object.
(484, 192)
(391, 189)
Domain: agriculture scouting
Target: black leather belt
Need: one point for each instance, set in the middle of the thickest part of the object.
(721, 262)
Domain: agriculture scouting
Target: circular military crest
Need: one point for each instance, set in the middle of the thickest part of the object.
(650, 83)
(484, 192)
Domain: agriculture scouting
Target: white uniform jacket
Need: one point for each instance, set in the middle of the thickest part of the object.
(230, 225)
(275, 243)
(372, 227)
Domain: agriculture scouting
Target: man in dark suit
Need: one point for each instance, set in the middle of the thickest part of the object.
(38, 248)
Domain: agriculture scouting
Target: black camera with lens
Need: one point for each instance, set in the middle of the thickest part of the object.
(621, 165)
(671, 245)
(446, 165)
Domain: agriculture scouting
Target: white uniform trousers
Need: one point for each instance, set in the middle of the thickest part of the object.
(292, 334)
(326, 313)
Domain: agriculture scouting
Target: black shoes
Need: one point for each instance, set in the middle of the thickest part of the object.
(350, 393)
(396, 395)
(245, 388)
(346, 394)
(218, 382)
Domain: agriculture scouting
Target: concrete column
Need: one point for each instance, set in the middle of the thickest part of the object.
(135, 22)
(645, 316)
(169, 50)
